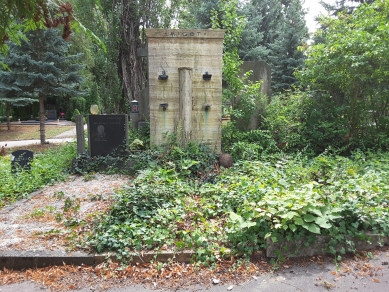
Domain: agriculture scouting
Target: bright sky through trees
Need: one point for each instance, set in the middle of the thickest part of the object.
(314, 9)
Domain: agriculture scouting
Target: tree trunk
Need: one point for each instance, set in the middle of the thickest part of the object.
(131, 68)
(8, 112)
(42, 119)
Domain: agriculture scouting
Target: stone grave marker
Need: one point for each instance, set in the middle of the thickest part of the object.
(51, 114)
(21, 159)
(107, 133)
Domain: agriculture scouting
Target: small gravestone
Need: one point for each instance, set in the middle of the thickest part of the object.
(107, 134)
(51, 114)
(21, 159)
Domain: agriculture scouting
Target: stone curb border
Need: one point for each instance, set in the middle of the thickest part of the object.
(19, 260)
(20, 202)
(320, 246)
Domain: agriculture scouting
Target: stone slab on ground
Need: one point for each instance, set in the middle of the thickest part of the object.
(298, 248)
(18, 260)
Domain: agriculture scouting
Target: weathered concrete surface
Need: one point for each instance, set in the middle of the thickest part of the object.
(299, 248)
(200, 51)
(18, 260)
(261, 71)
(325, 276)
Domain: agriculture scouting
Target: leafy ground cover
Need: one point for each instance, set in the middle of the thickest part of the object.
(172, 207)
(30, 132)
(46, 168)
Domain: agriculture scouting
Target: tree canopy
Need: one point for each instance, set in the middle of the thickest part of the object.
(27, 15)
(353, 67)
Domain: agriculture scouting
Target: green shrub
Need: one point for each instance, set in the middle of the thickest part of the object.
(249, 101)
(284, 119)
(234, 140)
(76, 112)
(75, 103)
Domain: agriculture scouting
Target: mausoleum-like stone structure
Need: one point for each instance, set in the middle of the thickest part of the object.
(185, 85)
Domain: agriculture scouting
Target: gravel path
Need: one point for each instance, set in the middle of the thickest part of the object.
(38, 223)
(68, 134)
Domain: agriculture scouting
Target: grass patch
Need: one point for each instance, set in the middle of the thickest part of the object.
(46, 168)
(36, 148)
(31, 132)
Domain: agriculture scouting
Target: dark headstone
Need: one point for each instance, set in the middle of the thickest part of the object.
(21, 159)
(107, 134)
(51, 114)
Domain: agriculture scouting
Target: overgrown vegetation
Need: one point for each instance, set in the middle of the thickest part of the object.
(278, 196)
(46, 168)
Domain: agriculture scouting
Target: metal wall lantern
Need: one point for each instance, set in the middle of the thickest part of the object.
(163, 76)
(163, 106)
(207, 76)
(134, 107)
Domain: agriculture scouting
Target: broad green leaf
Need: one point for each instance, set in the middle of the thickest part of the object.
(247, 224)
(314, 228)
(298, 221)
(309, 218)
(235, 217)
(333, 216)
(292, 227)
(322, 222)
(290, 215)
(283, 182)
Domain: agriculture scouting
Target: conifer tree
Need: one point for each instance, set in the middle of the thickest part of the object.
(261, 28)
(41, 67)
(10, 94)
(347, 6)
(284, 56)
(274, 31)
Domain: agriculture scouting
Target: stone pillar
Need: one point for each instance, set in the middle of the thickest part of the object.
(185, 89)
(134, 118)
(80, 134)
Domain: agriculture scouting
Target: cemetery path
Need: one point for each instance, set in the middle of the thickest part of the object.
(68, 136)
(11, 144)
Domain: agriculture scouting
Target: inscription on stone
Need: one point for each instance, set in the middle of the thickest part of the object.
(51, 114)
(186, 34)
(21, 159)
(107, 134)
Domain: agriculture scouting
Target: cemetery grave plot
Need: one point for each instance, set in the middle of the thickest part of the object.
(40, 222)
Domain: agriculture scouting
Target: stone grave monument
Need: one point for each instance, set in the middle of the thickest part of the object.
(260, 71)
(107, 134)
(185, 85)
(21, 159)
